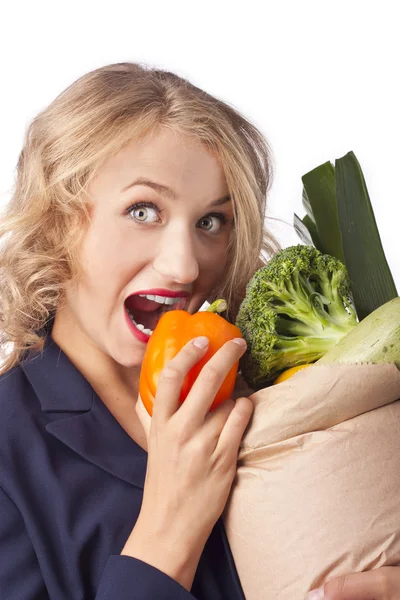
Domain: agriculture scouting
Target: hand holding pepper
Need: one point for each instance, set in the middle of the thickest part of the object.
(174, 329)
(192, 456)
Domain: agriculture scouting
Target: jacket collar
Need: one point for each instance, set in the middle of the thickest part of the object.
(79, 418)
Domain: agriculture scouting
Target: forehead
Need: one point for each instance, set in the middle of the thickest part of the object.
(170, 159)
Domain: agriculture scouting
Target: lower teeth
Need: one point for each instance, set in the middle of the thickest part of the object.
(139, 325)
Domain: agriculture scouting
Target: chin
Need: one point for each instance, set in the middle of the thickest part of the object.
(126, 352)
(131, 359)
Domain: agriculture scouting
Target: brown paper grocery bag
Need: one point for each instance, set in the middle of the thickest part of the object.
(317, 492)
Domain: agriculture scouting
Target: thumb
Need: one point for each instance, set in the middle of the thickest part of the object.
(379, 584)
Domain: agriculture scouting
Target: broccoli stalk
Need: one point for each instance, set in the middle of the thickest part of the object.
(295, 309)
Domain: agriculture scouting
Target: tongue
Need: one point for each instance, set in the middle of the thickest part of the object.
(138, 303)
(148, 319)
(144, 311)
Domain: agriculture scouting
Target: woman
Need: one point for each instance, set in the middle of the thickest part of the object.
(135, 192)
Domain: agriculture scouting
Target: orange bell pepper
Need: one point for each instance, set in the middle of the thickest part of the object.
(174, 329)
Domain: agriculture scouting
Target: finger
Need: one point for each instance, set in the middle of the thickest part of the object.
(170, 382)
(379, 584)
(235, 426)
(211, 377)
(215, 421)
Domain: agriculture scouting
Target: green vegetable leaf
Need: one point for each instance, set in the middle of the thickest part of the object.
(307, 231)
(302, 230)
(312, 228)
(371, 280)
(319, 201)
(307, 206)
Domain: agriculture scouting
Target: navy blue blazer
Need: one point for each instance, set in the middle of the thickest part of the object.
(71, 487)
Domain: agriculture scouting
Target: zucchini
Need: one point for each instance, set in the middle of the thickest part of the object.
(376, 339)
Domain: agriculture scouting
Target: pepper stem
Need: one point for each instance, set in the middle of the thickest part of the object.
(218, 306)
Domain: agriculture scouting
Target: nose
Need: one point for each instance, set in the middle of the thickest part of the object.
(176, 257)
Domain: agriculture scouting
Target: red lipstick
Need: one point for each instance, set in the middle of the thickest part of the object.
(161, 292)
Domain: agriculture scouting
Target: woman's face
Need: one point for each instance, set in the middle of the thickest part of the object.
(167, 240)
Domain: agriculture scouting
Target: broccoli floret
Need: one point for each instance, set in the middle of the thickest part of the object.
(295, 309)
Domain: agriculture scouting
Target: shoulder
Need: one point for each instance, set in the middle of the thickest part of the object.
(14, 391)
(18, 407)
(13, 387)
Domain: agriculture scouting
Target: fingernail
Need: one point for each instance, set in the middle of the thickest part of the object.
(317, 594)
(239, 341)
(201, 342)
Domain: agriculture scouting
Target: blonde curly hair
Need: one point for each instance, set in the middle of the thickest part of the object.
(43, 225)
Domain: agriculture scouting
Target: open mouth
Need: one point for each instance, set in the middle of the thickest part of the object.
(146, 310)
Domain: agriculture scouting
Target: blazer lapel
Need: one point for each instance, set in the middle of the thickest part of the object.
(79, 418)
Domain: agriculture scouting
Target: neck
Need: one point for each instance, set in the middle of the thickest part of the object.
(115, 384)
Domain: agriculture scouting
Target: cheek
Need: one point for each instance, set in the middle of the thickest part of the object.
(102, 277)
(99, 254)
(214, 265)
(105, 255)
(109, 260)
(218, 257)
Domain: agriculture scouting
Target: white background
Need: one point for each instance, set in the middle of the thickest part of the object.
(319, 79)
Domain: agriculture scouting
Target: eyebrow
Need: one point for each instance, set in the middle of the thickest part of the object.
(163, 190)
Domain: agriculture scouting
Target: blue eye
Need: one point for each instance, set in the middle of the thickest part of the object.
(142, 211)
(142, 208)
(222, 220)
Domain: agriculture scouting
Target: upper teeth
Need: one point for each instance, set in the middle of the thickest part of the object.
(161, 299)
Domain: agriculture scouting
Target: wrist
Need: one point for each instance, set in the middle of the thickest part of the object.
(175, 555)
